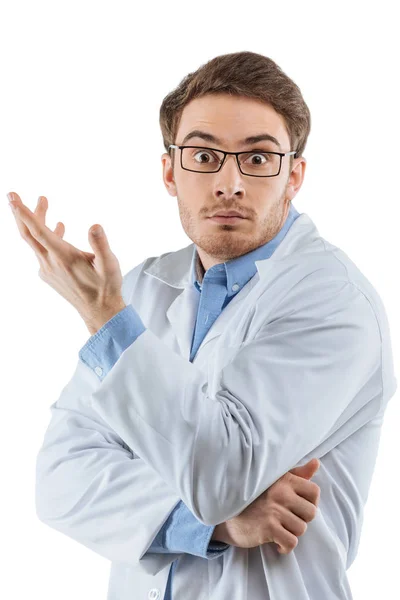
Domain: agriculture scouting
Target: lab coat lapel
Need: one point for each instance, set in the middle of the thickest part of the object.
(182, 315)
(174, 269)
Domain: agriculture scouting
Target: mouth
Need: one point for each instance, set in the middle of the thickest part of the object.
(231, 220)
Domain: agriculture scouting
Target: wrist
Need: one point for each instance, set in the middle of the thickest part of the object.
(220, 534)
(99, 318)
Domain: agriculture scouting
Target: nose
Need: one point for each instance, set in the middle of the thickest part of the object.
(233, 159)
(229, 179)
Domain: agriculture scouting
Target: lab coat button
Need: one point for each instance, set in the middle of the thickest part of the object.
(98, 371)
(235, 287)
(154, 594)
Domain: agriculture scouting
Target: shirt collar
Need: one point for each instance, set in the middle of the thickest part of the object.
(235, 273)
(174, 267)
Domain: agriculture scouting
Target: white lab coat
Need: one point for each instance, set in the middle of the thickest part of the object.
(298, 365)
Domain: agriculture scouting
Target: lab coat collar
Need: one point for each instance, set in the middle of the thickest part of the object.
(175, 269)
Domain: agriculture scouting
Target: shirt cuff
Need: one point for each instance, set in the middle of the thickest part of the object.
(103, 349)
(214, 549)
(183, 532)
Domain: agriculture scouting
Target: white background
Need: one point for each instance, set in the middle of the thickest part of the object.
(81, 87)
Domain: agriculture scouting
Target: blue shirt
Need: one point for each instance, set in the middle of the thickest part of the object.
(182, 532)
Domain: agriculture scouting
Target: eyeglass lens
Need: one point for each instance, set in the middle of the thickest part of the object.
(203, 160)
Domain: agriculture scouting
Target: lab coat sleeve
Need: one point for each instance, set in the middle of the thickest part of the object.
(182, 532)
(92, 488)
(304, 374)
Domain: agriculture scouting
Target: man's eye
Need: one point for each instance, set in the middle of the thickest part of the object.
(204, 153)
(264, 157)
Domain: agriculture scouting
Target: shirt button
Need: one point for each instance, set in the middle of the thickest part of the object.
(153, 594)
(98, 371)
(235, 287)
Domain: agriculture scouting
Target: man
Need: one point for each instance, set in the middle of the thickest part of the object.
(211, 373)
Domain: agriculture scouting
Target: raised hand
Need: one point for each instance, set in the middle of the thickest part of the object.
(91, 282)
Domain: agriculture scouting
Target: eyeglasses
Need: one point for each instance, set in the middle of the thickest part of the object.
(268, 163)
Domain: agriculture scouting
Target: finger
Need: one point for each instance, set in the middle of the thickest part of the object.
(41, 209)
(99, 242)
(38, 230)
(285, 540)
(307, 489)
(302, 508)
(26, 235)
(59, 229)
(308, 470)
(292, 523)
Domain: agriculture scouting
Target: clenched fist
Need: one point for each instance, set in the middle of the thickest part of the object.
(280, 514)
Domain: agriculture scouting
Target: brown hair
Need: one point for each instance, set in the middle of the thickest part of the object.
(241, 74)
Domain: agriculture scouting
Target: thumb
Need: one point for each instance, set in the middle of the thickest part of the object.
(98, 240)
(308, 470)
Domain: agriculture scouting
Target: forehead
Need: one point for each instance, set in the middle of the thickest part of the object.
(231, 119)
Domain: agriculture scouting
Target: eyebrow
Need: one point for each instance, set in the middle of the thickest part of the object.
(252, 139)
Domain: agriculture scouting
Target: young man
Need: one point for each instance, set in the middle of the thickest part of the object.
(214, 370)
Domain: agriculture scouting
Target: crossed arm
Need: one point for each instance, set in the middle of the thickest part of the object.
(328, 364)
(78, 447)
(182, 531)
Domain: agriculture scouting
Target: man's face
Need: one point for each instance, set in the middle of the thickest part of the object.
(264, 201)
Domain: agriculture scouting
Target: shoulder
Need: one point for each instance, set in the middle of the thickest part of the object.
(131, 277)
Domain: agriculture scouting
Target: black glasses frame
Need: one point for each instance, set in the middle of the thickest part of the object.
(280, 154)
